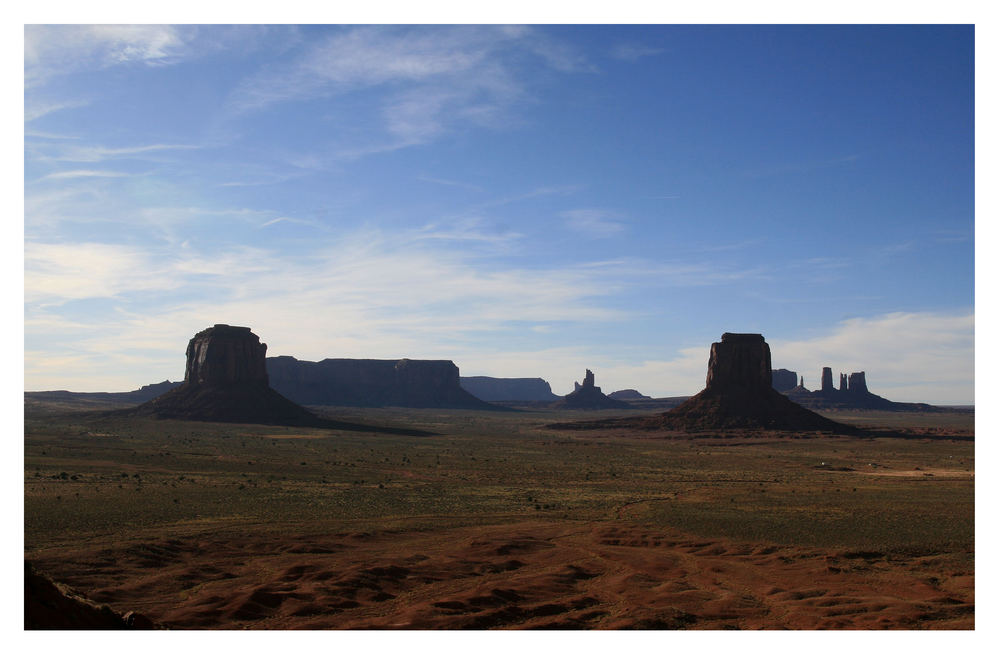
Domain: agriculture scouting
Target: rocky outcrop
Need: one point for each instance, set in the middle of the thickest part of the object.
(372, 383)
(226, 381)
(508, 389)
(627, 395)
(737, 394)
(783, 379)
(826, 384)
(853, 394)
(588, 396)
(223, 355)
(52, 606)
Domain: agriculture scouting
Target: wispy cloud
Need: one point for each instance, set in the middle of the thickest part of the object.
(35, 109)
(83, 173)
(368, 294)
(423, 82)
(633, 52)
(57, 273)
(908, 356)
(448, 182)
(82, 153)
(594, 223)
(50, 50)
(295, 221)
(467, 229)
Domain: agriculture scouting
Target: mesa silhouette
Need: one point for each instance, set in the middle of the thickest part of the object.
(852, 393)
(588, 396)
(408, 383)
(737, 394)
(225, 380)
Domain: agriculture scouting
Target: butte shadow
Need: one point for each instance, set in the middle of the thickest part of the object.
(225, 380)
(737, 395)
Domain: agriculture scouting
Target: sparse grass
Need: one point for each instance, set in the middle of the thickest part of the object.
(89, 475)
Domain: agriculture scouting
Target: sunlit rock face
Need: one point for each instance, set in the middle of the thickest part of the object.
(739, 394)
(739, 361)
(225, 380)
(225, 354)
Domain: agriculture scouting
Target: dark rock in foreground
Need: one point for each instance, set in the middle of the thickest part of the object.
(587, 396)
(737, 394)
(508, 389)
(49, 606)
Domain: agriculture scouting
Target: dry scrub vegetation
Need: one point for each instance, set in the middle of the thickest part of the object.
(496, 522)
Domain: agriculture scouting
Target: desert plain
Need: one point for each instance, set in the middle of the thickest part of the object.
(495, 521)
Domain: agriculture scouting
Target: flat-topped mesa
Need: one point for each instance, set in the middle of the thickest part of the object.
(783, 379)
(739, 362)
(224, 354)
(414, 383)
(508, 389)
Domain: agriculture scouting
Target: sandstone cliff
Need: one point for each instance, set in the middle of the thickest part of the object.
(226, 381)
(737, 394)
(783, 379)
(372, 383)
(508, 389)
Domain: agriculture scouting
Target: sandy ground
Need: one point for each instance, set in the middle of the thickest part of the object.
(573, 575)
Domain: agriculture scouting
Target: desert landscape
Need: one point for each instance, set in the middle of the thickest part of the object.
(619, 323)
(482, 519)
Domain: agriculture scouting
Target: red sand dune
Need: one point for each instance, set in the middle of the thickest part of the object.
(526, 575)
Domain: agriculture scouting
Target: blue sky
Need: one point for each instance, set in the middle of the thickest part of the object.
(527, 201)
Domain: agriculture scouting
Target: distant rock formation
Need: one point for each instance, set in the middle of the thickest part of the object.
(588, 396)
(372, 383)
(225, 380)
(737, 394)
(508, 389)
(51, 606)
(852, 394)
(626, 395)
(141, 395)
(783, 379)
(826, 384)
